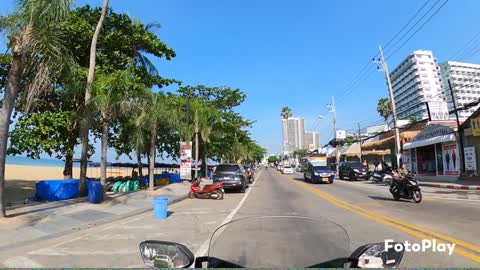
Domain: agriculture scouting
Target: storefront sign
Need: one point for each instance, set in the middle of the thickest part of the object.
(438, 111)
(475, 123)
(432, 131)
(186, 160)
(450, 159)
(470, 159)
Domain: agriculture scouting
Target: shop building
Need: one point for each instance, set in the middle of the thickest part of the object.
(434, 152)
(471, 142)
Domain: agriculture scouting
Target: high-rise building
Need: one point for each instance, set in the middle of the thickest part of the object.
(293, 129)
(465, 81)
(311, 138)
(416, 80)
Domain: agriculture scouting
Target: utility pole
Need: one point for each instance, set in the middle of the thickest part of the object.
(392, 104)
(334, 111)
(460, 130)
(360, 141)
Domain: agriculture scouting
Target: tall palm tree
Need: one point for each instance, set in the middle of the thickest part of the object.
(35, 49)
(384, 108)
(88, 96)
(111, 97)
(286, 112)
(157, 110)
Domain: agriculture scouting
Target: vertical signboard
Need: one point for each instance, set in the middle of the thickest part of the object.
(451, 162)
(470, 159)
(186, 160)
(475, 123)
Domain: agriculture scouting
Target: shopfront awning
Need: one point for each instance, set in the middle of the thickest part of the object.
(439, 139)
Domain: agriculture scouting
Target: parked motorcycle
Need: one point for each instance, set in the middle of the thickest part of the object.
(384, 177)
(214, 191)
(317, 243)
(411, 190)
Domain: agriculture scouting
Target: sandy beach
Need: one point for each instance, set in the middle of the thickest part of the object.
(21, 179)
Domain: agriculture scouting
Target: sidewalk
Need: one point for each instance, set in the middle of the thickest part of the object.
(51, 219)
(459, 184)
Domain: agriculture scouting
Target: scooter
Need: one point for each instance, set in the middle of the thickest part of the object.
(214, 191)
(411, 190)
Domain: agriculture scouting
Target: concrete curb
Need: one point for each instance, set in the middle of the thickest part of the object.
(450, 186)
(96, 224)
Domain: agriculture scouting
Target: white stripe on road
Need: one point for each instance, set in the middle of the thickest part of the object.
(21, 262)
(202, 251)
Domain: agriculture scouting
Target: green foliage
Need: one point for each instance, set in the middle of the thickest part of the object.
(123, 43)
(46, 132)
(300, 153)
(286, 112)
(273, 159)
(384, 108)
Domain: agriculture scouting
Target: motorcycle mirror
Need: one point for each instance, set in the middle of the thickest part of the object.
(161, 254)
(378, 256)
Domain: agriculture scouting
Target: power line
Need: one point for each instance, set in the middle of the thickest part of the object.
(361, 74)
(414, 33)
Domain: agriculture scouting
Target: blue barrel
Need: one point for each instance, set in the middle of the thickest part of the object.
(160, 205)
(95, 192)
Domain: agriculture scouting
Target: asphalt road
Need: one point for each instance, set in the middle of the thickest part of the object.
(357, 212)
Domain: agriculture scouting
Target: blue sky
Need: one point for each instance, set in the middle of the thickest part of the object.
(296, 53)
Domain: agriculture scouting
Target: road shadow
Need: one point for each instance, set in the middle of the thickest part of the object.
(169, 213)
(388, 199)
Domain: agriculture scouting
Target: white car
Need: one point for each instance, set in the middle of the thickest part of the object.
(287, 170)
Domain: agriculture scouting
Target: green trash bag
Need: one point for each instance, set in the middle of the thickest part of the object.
(136, 184)
(116, 186)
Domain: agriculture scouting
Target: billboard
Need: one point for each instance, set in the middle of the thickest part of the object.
(438, 111)
(186, 160)
(341, 134)
(470, 159)
(451, 160)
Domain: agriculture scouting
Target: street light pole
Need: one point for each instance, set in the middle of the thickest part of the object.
(392, 104)
(360, 142)
(334, 111)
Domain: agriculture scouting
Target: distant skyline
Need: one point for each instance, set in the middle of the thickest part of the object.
(297, 53)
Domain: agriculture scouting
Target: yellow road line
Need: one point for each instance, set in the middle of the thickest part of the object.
(411, 229)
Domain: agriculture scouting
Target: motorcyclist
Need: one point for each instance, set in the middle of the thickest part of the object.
(402, 177)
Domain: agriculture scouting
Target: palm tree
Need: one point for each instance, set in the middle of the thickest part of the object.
(157, 110)
(35, 51)
(111, 97)
(88, 96)
(286, 112)
(384, 108)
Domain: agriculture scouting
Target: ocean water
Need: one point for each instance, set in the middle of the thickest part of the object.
(43, 162)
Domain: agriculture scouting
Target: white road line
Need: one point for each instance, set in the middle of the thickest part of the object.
(21, 262)
(202, 251)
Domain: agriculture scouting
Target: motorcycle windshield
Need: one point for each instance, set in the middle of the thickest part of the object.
(278, 241)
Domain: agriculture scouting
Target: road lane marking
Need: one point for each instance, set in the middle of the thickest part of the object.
(411, 229)
(202, 251)
(21, 262)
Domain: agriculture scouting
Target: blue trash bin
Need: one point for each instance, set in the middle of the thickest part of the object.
(160, 206)
(95, 192)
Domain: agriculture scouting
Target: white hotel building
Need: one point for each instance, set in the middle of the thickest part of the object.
(465, 81)
(415, 81)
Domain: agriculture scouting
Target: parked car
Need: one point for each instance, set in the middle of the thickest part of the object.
(287, 169)
(298, 168)
(233, 176)
(353, 170)
(318, 174)
(279, 167)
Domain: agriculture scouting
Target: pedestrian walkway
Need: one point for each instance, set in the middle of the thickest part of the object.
(464, 185)
(50, 219)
